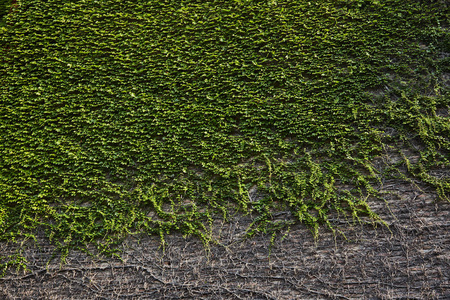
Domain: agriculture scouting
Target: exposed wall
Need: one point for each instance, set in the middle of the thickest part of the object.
(408, 260)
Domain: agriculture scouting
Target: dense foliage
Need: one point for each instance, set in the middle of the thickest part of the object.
(4, 9)
(120, 116)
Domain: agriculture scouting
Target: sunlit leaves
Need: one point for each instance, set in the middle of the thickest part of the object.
(125, 116)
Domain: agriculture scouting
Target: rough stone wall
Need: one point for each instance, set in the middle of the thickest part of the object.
(410, 259)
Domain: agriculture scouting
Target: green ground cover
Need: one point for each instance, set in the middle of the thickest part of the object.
(119, 117)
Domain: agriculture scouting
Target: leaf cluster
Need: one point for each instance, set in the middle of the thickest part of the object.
(121, 117)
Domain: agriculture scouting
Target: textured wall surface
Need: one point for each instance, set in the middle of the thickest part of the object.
(410, 260)
(240, 132)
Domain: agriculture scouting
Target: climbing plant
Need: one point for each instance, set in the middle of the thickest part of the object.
(122, 117)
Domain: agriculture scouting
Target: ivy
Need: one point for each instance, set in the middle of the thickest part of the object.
(122, 117)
